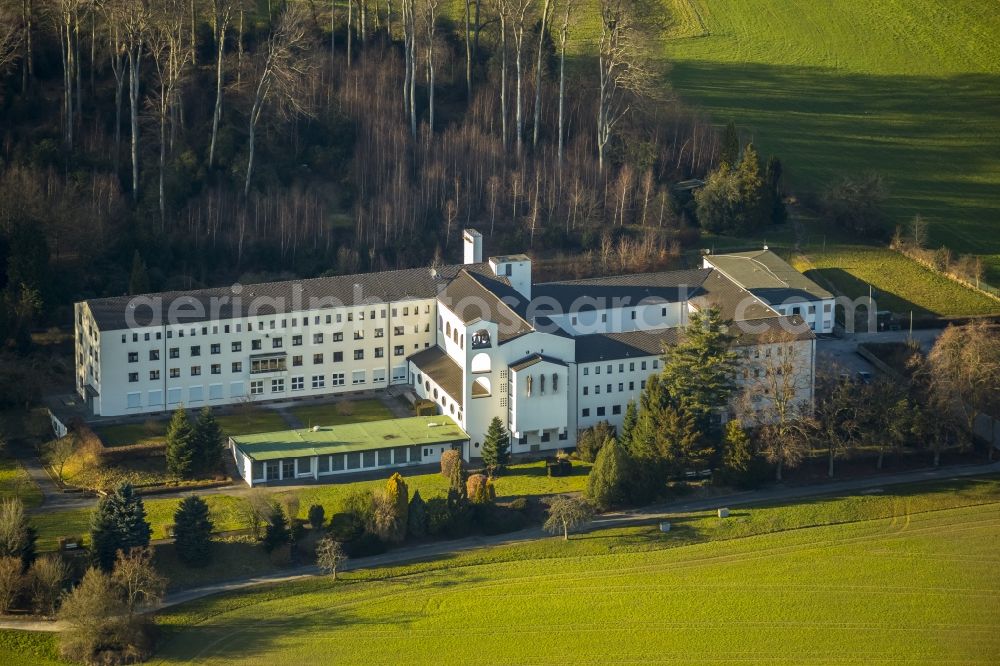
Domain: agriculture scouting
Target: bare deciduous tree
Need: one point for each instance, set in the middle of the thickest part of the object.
(623, 71)
(223, 12)
(546, 13)
(284, 62)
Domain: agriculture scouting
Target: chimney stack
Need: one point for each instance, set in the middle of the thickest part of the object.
(473, 242)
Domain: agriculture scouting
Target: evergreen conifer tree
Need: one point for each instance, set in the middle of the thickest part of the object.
(730, 151)
(606, 482)
(628, 425)
(276, 533)
(180, 445)
(118, 523)
(417, 517)
(207, 443)
(193, 531)
(496, 447)
(398, 495)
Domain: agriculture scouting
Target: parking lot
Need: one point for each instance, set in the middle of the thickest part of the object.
(840, 354)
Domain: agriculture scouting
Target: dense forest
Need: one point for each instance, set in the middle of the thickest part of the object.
(158, 144)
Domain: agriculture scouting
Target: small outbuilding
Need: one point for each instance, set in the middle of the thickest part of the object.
(322, 453)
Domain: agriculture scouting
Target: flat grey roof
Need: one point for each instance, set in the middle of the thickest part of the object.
(768, 276)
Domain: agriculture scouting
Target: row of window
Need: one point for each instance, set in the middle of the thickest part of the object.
(277, 384)
(609, 388)
(276, 343)
(273, 324)
(288, 468)
(602, 411)
(610, 367)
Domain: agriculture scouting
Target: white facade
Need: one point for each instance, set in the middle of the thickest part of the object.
(469, 338)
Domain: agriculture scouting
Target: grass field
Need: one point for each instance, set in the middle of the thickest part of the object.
(908, 576)
(155, 430)
(906, 88)
(901, 283)
(524, 479)
(15, 482)
(335, 414)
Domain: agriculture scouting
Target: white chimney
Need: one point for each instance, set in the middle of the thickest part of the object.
(473, 242)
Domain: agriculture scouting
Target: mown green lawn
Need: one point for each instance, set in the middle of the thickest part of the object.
(29, 647)
(906, 579)
(905, 88)
(15, 482)
(154, 430)
(523, 479)
(900, 283)
(353, 411)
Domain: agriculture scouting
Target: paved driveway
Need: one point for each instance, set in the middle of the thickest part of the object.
(842, 353)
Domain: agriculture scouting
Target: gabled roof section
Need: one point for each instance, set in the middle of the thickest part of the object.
(768, 276)
(472, 300)
(272, 298)
(443, 370)
(617, 346)
(534, 359)
(734, 302)
(668, 286)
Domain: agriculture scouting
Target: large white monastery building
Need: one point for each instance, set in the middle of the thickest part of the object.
(479, 339)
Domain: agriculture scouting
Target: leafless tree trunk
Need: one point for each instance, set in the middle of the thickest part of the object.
(468, 50)
(503, 13)
(350, 29)
(546, 10)
(520, 12)
(622, 71)
(430, 18)
(64, 17)
(563, 34)
(281, 73)
(223, 17)
(27, 25)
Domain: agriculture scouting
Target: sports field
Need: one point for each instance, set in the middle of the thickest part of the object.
(907, 88)
(917, 586)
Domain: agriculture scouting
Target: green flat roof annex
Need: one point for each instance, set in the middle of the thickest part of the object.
(349, 437)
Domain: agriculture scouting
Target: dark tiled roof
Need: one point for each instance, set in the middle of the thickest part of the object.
(670, 286)
(441, 368)
(279, 297)
(733, 301)
(768, 276)
(614, 346)
(471, 300)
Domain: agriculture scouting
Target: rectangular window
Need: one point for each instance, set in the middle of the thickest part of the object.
(585, 412)
(358, 377)
(133, 377)
(322, 464)
(258, 365)
(378, 375)
(175, 352)
(337, 379)
(379, 352)
(368, 459)
(317, 358)
(195, 370)
(133, 357)
(216, 368)
(236, 346)
(276, 343)
(296, 361)
(586, 390)
(359, 335)
(298, 383)
(216, 348)
(616, 409)
(379, 332)
(384, 457)
(317, 338)
(296, 340)
(397, 330)
(586, 371)
(175, 373)
(277, 385)
(318, 381)
(196, 350)
(257, 387)
(154, 354)
(398, 350)
(237, 366)
(154, 375)
(255, 345)
(338, 337)
(338, 357)
(600, 411)
(359, 354)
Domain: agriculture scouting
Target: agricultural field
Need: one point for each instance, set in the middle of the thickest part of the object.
(905, 88)
(909, 575)
(527, 479)
(900, 283)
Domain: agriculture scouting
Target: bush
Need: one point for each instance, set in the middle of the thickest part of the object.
(449, 460)
(345, 526)
(47, 576)
(558, 467)
(493, 519)
(448, 518)
(519, 504)
(365, 545)
(10, 581)
(276, 533)
(317, 516)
